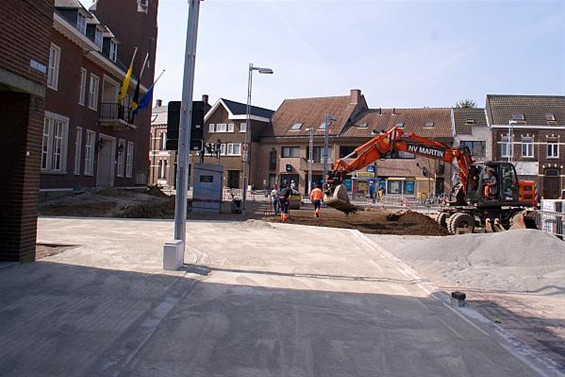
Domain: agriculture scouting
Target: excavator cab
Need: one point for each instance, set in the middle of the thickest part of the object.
(492, 182)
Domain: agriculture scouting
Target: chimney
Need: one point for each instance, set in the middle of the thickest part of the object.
(355, 96)
(159, 103)
(205, 98)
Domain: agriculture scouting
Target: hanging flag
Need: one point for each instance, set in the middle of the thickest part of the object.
(127, 79)
(144, 101)
(134, 103)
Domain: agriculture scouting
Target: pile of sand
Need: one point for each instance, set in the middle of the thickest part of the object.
(516, 261)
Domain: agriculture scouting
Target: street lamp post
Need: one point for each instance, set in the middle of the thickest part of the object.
(510, 144)
(310, 157)
(247, 144)
(329, 118)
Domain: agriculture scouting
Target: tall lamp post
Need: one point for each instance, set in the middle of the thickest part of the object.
(247, 144)
(310, 157)
(329, 118)
(510, 144)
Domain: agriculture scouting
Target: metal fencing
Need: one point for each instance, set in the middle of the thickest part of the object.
(551, 222)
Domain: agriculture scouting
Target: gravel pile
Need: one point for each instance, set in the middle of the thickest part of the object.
(514, 261)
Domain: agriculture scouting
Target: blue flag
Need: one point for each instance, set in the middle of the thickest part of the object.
(144, 101)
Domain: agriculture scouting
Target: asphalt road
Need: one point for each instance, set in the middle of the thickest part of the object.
(254, 299)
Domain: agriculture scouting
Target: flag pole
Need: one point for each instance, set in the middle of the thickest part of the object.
(143, 67)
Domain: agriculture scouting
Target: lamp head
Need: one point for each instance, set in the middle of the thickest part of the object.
(263, 70)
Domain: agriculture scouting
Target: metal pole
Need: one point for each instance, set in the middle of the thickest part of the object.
(329, 118)
(185, 121)
(247, 139)
(310, 159)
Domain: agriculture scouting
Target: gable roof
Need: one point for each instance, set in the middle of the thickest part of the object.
(238, 110)
(418, 121)
(500, 109)
(312, 112)
(159, 115)
(466, 118)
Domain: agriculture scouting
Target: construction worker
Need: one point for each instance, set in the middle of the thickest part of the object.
(316, 196)
(284, 201)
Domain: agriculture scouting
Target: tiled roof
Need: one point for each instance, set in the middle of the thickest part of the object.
(467, 118)
(418, 121)
(237, 108)
(159, 115)
(312, 112)
(500, 109)
(73, 4)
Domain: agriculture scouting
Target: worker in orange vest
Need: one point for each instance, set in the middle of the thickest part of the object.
(316, 196)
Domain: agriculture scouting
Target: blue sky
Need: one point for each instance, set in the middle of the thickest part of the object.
(399, 53)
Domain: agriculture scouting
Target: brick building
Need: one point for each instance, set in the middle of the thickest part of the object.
(90, 137)
(24, 57)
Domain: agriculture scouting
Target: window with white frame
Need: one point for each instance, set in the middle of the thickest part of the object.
(81, 23)
(129, 160)
(78, 150)
(163, 141)
(553, 148)
(98, 37)
(290, 152)
(505, 148)
(121, 158)
(53, 69)
(162, 169)
(113, 51)
(211, 127)
(82, 93)
(242, 127)
(93, 92)
(54, 143)
(232, 149)
(221, 127)
(527, 146)
(89, 152)
(231, 127)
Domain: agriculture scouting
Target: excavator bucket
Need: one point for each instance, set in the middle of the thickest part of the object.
(523, 220)
(340, 200)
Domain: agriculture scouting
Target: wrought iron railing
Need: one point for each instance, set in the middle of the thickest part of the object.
(114, 111)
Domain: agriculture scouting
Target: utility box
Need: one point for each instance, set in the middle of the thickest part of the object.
(207, 188)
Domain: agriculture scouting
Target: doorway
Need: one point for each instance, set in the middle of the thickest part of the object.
(551, 184)
(233, 179)
(105, 146)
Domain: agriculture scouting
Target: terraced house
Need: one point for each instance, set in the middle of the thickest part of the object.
(91, 138)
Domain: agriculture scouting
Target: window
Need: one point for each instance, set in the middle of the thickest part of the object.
(93, 92)
(243, 127)
(477, 148)
(363, 125)
(231, 127)
(121, 158)
(129, 160)
(317, 154)
(273, 159)
(98, 37)
(54, 143)
(429, 125)
(163, 141)
(469, 122)
(162, 172)
(113, 51)
(142, 6)
(400, 124)
(296, 126)
(78, 150)
(233, 149)
(518, 116)
(553, 148)
(401, 155)
(550, 117)
(221, 127)
(82, 93)
(527, 146)
(211, 127)
(53, 69)
(81, 23)
(322, 126)
(89, 152)
(505, 148)
(290, 152)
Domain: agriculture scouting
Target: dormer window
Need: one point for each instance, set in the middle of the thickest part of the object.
(81, 22)
(113, 51)
(400, 124)
(363, 125)
(469, 122)
(142, 5)
(429, 125)
(518, 116)
(322, 126)
(550, 117)
(98, 37)
(296, 126)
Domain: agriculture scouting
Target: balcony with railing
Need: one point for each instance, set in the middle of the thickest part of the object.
(115, 116)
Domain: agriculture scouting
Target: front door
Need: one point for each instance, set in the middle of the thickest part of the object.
(551, 186)
(105, 148)
(233, 179)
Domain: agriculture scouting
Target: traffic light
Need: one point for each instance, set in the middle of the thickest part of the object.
(173, 122)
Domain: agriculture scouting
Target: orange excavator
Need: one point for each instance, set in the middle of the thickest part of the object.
(479, 201)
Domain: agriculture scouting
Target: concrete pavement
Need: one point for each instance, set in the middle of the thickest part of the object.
(263, 300)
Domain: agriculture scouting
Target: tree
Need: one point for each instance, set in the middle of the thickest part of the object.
(465, 103)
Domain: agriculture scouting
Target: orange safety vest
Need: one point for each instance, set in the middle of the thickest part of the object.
(316, 194)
